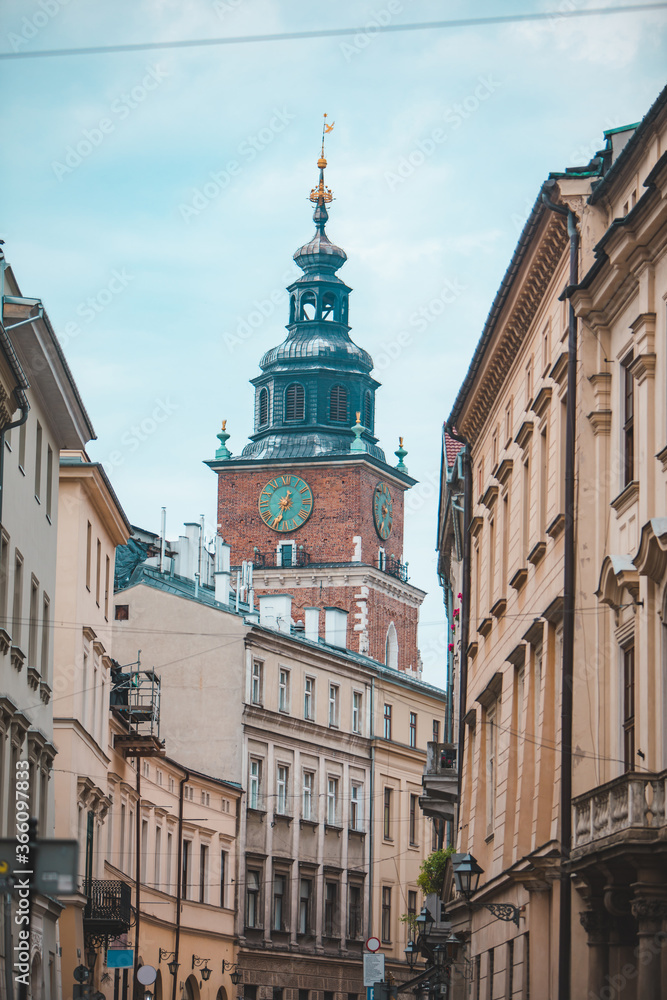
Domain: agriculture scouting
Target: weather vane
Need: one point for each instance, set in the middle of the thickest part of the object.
(321, 194)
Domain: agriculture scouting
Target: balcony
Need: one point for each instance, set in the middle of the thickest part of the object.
(628, 809)
(440, 781)
(394, 567)
(108, 910)
(284, 559)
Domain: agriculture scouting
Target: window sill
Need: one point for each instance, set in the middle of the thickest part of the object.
(536, 554)
(332, 826)
(485, 626)
(5, 641)
(356, 833)
(519, 578)
(309, 822)
(257, 812)
(556, 526)
(18, 657)
(282, 818)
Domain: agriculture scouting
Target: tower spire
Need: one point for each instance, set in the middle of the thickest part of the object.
(321, 196)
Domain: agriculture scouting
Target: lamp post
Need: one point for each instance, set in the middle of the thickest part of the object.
(234, 976)
(205, 972)
(172, 965)
(466, 876)
(436, 977)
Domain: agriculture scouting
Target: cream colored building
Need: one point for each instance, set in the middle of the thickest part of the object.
(329, 747)
(41, 412)
(511, 412)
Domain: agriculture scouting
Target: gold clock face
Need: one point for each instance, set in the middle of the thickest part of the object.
(383, 510)
(285, 503)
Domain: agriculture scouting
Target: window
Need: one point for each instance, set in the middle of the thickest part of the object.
(413, 819)
(332, 801)
(386, 913)
(504, 555)
(330, 900)
(356, 807)
(413, 729)
(38, 460)
(354, 928)
(122, 612)
(307, 795)
(525, 525)
(334, 692)
(17, 604)
(256, 683)
(391, 647)
(492, 559)
(205, 798)
(508, 423)
(629, 708)
(283, 690)
(223, 877)
(387, 722)
(356, 711)
(49, 480)
(628, 421)
(252, 899)
(328, 306)
(386, 814)
(529, 383)
(4, 575)
(544, 480)
(203, 872)
(412, 911)
(338, 404)
(185, 865)
(98, 572)
(255, 781)
(287, 554)
(491, 737)
(308, 306)
(22, 438)
(89, 553)
(34, 622)
(368, 411)
(305, 897)
(436, 731)
(46, 626)
(279, 882)
(107, 580)
(282, 773)
(263, 407)
(295, 402)
(309, 698)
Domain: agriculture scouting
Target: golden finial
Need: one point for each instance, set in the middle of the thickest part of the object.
(322, 195)
(358, 416)
(400, 442)
(224, 425)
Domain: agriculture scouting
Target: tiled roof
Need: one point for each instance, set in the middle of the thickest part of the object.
(452, 448)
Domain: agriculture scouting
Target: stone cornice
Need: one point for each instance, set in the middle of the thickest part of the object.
(356, 575)
(511, 332)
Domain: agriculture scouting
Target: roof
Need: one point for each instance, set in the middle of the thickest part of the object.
(631, 145)
(73, 461)
(452, 448)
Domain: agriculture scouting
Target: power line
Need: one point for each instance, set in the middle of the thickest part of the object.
(367, 30)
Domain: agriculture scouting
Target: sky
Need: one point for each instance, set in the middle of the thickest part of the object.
(153, 201)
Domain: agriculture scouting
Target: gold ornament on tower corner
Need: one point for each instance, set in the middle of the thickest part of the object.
(322, 195)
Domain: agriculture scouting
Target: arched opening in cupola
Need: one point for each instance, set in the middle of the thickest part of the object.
(308, 306)
(328, 306)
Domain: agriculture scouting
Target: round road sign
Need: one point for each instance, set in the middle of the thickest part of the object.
(146, 974)
(373, 944)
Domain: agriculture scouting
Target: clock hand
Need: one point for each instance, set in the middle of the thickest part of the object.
(277, 520)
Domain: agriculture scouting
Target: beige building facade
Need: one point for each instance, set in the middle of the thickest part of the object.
(41, 413)
(329, 748)
(510, 414)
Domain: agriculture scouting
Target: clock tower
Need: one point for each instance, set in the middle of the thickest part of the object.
(312, 501)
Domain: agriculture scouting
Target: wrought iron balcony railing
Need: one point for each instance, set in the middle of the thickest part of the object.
(393, 566)
(286, 557)
(109, 908)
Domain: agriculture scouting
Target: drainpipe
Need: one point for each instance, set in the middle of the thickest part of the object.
(179, 874)
(465, 607)
(371, 818)
(564, 935)
(138, 989)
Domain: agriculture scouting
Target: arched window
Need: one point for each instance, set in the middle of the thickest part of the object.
(308, 305)
(328, 306)
(263, 407)
(391, 648)
(292, 308)
(368, 411)
(295, 402)
(343, 317)
(338, 403)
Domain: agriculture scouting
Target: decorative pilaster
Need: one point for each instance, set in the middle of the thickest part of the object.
(650, 912)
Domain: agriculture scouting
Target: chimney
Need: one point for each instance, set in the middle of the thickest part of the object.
(335, 627)
(275, 611)
(312, 624)
(189, 550)
(222, 572)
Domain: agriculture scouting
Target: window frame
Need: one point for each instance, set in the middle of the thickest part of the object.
(332, 800)
(256, 682)
(309, 697)
(387, 803)
(294, 411)
(255, 783)
(334, 705)
(357, 712)
(254, 893)
(283, 689)
(412, 730)
(307, 787)
(282, 787)
(387, 721)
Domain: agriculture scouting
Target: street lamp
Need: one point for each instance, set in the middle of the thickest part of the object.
(234, 976)
(466, 876)
(205, 972)
(173, 964)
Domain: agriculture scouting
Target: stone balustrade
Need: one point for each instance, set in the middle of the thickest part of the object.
(629, 807)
